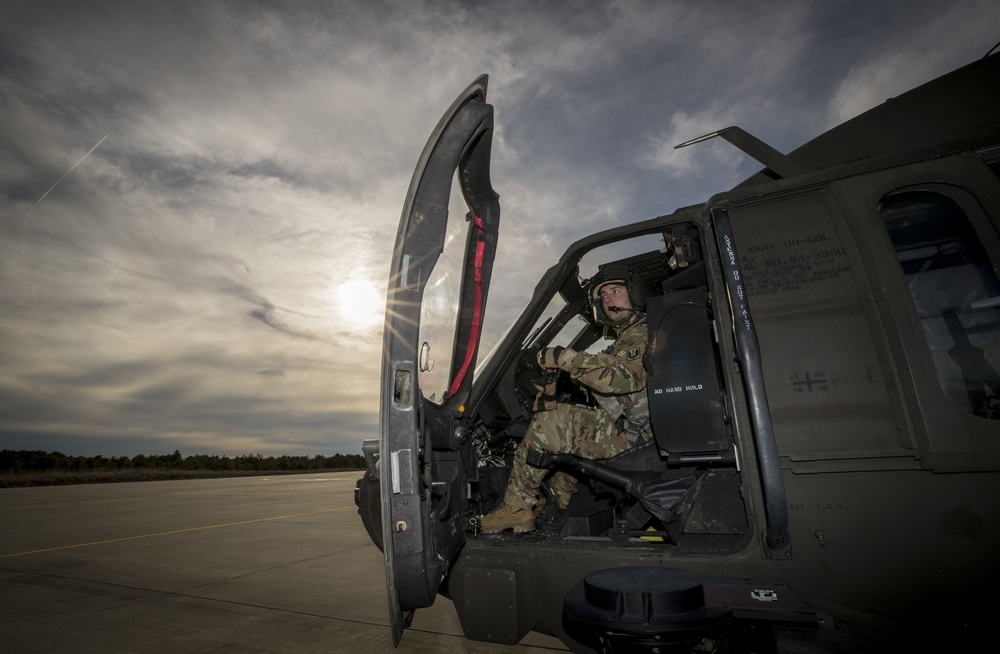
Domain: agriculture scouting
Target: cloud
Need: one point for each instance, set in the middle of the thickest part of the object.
(175, 290)
(715, 159)
(932, 40)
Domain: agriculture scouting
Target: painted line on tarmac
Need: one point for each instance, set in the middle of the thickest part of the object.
(176, 531)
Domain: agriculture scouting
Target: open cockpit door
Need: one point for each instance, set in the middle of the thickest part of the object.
(437, 287)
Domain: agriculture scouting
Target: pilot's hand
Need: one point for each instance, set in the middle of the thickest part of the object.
(549, 357)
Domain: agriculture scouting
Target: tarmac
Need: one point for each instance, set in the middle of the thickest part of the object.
(249, 564)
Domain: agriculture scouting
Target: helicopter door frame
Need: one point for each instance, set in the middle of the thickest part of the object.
(423, 468)
(775, 538)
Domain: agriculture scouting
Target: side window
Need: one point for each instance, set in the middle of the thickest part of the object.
(947, 251)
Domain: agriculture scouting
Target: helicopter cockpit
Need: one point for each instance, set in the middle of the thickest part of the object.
(679, 485)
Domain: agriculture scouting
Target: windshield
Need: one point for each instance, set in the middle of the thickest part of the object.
(556, 306)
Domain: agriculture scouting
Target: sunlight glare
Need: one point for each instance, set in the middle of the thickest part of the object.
(359, 304)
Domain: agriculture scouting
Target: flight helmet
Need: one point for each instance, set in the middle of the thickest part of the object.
(618, 274)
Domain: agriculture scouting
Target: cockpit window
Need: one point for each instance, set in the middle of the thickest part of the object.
(560, 324)
(591, 262)
(556, 307)
(439, 309)
(953, 282)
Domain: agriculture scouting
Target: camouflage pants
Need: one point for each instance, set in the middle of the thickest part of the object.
(577, 430)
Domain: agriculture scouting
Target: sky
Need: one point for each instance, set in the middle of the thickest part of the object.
(198, 199)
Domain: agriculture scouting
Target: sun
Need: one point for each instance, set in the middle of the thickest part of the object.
(360, 305)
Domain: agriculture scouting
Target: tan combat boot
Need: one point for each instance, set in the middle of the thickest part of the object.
(506, 516)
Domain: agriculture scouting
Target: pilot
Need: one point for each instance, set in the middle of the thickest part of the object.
(617, 380)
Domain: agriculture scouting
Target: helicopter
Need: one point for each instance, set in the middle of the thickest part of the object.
(824, 348)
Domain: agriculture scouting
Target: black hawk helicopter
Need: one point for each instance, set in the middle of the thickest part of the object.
(823, 359)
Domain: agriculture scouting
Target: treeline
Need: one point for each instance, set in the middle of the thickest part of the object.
(35, 461)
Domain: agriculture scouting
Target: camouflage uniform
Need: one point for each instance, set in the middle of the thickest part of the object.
(619, 382)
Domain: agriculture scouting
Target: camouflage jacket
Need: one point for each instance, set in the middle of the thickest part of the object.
(616, 375)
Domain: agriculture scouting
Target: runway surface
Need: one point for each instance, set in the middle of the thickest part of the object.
(250, 564)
